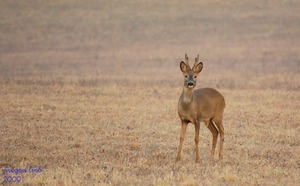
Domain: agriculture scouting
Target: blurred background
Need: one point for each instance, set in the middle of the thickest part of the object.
(243, 44)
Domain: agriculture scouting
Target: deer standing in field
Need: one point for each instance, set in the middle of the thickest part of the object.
(200, 105)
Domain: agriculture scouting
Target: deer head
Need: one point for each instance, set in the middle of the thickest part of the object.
(190, 74)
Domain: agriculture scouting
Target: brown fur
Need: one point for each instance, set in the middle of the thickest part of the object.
(200, 105)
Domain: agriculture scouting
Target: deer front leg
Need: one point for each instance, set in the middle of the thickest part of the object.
(197, 129)
(182, 133)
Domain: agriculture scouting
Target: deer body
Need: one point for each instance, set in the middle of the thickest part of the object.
(201, 105)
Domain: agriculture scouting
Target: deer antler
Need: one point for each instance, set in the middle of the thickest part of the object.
(186, 59)
(197, 59)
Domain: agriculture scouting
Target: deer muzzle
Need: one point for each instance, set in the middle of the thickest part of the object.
(190, 84)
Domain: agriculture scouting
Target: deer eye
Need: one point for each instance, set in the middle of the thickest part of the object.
(195, 76)
(185, 76)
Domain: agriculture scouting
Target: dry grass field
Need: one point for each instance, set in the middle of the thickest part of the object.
(89, 91)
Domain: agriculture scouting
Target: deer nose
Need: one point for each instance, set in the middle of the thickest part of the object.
(190, 84)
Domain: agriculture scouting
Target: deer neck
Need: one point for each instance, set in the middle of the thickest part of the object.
(187, 97)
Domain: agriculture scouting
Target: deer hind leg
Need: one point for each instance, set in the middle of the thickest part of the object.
(182, 133)
(215, 134)
(219, 124)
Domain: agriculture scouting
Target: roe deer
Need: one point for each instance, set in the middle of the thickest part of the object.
(200, 105)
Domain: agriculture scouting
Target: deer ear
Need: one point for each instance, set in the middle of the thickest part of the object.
(197, 68)
(183, 67)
